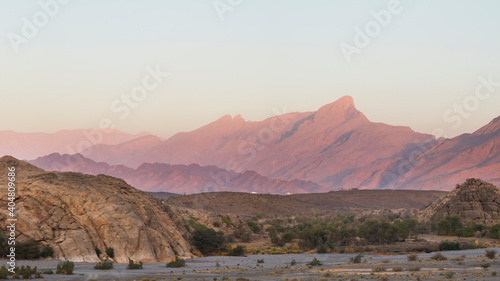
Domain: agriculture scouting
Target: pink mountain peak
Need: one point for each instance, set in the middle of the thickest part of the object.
(341, 107)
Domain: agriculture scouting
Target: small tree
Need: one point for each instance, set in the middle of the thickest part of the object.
(47, 251)
(133, 265)
(65, 268)
(110, 252)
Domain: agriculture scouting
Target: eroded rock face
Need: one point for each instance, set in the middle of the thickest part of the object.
(77, 213)
(474, 200)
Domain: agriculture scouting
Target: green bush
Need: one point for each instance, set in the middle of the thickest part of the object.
(110, 252)
(105, 265)
(4, 273)
(226, 221)
(133, 265)
(449, 246)
(47, 251)
(207, 240)
(439, 257)
(293, 262)
(48, 271)
(27, 251)
(178, 262)
(98, 252)
(315, 262)
(216, 224)
(260, 261)
(356, 259)
(412, 257)
(237, 251)
(65, 268)
(491, 254)
(254, 226)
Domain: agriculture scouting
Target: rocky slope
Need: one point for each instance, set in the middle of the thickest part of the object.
(177, 178)
(76, 213)
(474, 200)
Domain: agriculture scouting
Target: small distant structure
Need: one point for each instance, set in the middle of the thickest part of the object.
(253, 192)
(288, 193)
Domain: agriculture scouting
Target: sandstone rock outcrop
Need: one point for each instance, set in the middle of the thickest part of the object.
(77, 213)
(475, 201)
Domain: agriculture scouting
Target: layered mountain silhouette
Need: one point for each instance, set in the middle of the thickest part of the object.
(332, 148)
(177, 178)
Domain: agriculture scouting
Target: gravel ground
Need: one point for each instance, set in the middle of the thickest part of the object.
(277, 267)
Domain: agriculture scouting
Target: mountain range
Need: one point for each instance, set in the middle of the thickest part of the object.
(334, 147)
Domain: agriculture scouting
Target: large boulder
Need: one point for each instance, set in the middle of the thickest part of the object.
(77, 213)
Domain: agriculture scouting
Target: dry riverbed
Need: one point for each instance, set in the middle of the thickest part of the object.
(278, 267)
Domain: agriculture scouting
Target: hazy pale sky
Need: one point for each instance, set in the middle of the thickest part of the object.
(66, 65)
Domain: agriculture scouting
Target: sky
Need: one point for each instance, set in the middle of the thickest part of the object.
(429, 65)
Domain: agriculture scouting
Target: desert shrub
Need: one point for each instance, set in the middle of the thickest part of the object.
(414, 268)
(216, 224)
(451, 226)
(494, 273)
(48, 271)
(65, 268)
(439, 257)
(133, 265)
(254, 226)
(356, 259)
(98, 252)
(226, 221)
(178, 262)
(397, 269)
(243, 235)
(379, 269)
(293, 262)
(110, 252)
(27, 251)
(491, 254)
(449, 246)
(485, 265)
(412, 257)
(105, 265)
(4, 273)
(260, 261)
(385, 261)
(237, 251)
(25, 272)
(383, 278)
(207, 240)
(47, 251)
(315, 262)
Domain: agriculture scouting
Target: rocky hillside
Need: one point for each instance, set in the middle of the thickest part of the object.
(474, 200)
(77, 213)
(247, 205)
